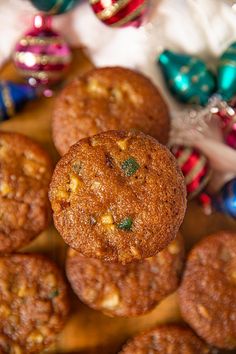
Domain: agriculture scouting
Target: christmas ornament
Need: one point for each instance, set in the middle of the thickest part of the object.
(42, 56)
(227, 73)
(206, 202)
(194, 167)
(119, 13)
(54, 7)
(187, 78)
(225, 201)
(12, 98)
(227, 116)
(190, 81)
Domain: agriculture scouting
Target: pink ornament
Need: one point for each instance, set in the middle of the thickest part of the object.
(120, 13)
(42, 56)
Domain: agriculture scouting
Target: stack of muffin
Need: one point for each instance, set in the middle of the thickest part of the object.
(33, 293)
(118, 200)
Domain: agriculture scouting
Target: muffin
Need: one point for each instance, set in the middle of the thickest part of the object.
(108, 99)
(130, 290)
(33, 303)
(168, 339)
(118, 196)
(208, 290)
(24, 179)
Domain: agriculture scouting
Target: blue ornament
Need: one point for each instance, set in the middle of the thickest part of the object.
(225, 201)
(187, 78)
(13, 97)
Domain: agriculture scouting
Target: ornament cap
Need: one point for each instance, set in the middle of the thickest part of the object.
(42, 21)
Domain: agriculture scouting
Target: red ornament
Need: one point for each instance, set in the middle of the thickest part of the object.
(227, 117)
(120, 13)
(42, 56)
(206, 202)
(195, 168)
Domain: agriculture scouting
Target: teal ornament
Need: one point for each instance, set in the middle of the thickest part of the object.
(54, 7)
(227, 73)
(187, 78)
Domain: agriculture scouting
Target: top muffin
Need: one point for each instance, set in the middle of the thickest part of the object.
(118, 196)
(108, 99)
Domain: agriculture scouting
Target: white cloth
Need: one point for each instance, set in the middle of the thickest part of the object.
(199, 27)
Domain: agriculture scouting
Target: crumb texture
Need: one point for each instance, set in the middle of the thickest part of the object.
(169, 339)
(115, 203)
(108, 99)
(33, 303)
(208, 290)
(25, 174)
(129, 290)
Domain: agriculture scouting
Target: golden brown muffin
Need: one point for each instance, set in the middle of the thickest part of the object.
(108, 99)
(33, 303)
(208, 290)
(118, 196)
(129, 290)
(24, 179)
(168, 339)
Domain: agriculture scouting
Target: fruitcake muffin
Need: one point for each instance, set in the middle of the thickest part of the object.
(108, 99)
(168, 339)
(126, 290)
(118, 196)
(208, 290)
(24, 179)
(33, 303)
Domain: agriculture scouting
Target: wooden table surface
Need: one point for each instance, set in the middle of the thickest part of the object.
(88, 331)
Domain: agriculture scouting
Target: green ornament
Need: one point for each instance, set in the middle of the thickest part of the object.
(187, 77)
(227, 73)
(54, 7)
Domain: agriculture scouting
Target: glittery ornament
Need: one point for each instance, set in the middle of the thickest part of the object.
(227, 73)
(119, 13)
(187, 77)
(227, 115)
(225, 201)
(54, 7)
(13, 97)
(42, 56)
(194, 167)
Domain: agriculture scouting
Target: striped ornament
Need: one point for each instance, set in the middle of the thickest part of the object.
(194, 167)
(42, 56)
(120, 13)
(225, 201)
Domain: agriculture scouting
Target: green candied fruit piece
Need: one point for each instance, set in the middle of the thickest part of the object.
(130, 166)
(125, 224)
(53, 294)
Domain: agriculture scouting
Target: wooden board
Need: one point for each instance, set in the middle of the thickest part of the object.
(88, 331)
